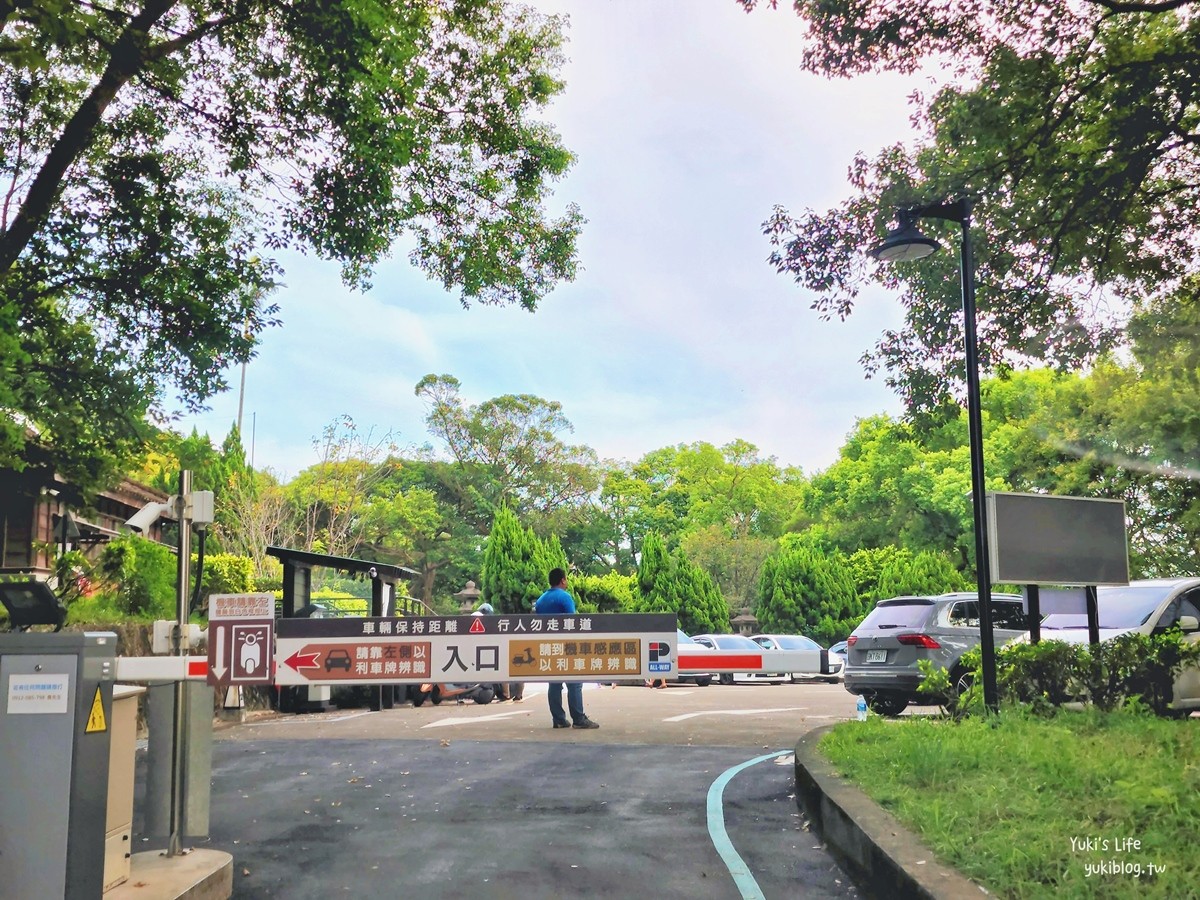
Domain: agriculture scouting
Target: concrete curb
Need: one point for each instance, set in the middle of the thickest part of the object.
(882, 857)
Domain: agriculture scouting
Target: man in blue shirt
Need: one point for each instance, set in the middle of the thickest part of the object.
(557, 602)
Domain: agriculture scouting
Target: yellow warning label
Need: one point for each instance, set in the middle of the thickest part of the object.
(96, 716)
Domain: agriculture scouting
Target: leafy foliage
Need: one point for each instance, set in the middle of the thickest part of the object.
(142, 574)
(1129, 670)
(807, 592)
(155, 155)
(227, 573)
(516, 564)
(1072, 127)
(670, 583)
(918, 573)
(514, 443)
(608, 593)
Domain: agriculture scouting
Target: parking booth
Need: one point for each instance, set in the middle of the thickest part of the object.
(56, 694)
(297, 603)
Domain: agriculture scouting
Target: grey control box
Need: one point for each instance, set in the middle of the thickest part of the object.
(56, 694)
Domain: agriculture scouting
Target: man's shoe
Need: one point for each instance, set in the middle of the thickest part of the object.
(585, 723)
(562, 724)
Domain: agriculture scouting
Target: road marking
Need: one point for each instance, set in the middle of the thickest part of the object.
(735, 712)
(463, 720)
(738, 870)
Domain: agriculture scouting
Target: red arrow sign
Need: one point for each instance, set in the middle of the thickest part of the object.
(301, 660)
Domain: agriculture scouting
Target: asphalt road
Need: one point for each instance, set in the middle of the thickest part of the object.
(685, 792)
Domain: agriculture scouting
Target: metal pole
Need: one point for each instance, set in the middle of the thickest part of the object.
(179, 724)
(987, 643)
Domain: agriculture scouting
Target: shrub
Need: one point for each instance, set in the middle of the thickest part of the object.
(1138, 667)
(1131, 670)
(141, 575)
(227, 573)
(1044, 675)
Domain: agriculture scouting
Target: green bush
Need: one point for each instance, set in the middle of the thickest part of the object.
(141, 575)
(1044, 675)
(226, 573)
(268, 584)
(1138, 667)
(1128, 670)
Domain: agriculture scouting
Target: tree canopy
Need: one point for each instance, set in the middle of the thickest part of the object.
(1073, 127)
(156, 154)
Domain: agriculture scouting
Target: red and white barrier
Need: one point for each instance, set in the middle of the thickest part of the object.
(162, 668)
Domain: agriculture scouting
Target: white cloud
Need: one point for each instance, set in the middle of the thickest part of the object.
(690, 121)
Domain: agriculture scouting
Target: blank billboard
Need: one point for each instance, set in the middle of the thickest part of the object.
(1042, 539)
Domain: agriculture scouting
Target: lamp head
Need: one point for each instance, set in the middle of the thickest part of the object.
(905, 243)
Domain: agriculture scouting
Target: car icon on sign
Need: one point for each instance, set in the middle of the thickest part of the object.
(337, 659)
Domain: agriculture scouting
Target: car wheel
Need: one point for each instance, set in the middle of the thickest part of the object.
(704, 681)
(887, 704)
(960, 682)
(727, 678)
(435, 696)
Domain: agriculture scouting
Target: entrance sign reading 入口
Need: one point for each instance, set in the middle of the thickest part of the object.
(523, 647)
(240, 638)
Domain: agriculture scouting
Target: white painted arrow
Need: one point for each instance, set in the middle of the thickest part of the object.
(462, 720)
(734, 712)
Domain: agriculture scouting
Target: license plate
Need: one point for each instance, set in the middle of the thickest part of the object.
(876, 656)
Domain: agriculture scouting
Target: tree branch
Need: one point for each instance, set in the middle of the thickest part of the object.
(1150, 6)
(128, 58)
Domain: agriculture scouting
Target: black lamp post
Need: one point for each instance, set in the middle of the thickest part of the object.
(907, 243)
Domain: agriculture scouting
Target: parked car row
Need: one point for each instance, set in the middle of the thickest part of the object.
(884, 652)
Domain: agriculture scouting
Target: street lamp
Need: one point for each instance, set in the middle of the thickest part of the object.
(907, 243)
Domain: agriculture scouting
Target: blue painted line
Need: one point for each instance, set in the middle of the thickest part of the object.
(742, 879)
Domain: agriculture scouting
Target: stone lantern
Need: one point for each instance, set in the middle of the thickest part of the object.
(467, 598)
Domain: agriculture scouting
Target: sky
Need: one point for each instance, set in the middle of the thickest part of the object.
(690, 119)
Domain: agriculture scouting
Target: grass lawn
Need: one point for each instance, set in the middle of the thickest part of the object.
(1084, 804)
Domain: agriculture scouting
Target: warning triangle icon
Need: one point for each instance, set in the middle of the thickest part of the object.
(477, 626)
(96, 722)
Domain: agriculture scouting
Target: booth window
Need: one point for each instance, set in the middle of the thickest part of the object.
(16, 531)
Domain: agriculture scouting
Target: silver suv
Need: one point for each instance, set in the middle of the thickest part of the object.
(883, 652)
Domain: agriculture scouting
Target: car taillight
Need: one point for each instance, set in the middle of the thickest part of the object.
(852, 640)
(919, 640)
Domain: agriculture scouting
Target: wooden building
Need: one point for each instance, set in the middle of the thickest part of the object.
(35, 521)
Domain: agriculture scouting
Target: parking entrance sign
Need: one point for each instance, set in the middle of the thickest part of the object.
(475, 648)
(241, 631)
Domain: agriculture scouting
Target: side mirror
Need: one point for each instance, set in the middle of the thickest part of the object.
(1189, 623)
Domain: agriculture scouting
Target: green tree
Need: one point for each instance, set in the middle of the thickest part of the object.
(722, 505)
(333, 497)
(515, 442)
(866, 566)
(154, 155)
(809, 593)
(670, 583)
(1074, 129)
(918, 573)
(516, 563)
(608, 593)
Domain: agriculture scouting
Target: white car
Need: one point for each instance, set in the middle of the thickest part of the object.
(839, 650)
(831, 672)
(736, 642)
(1150, 606)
